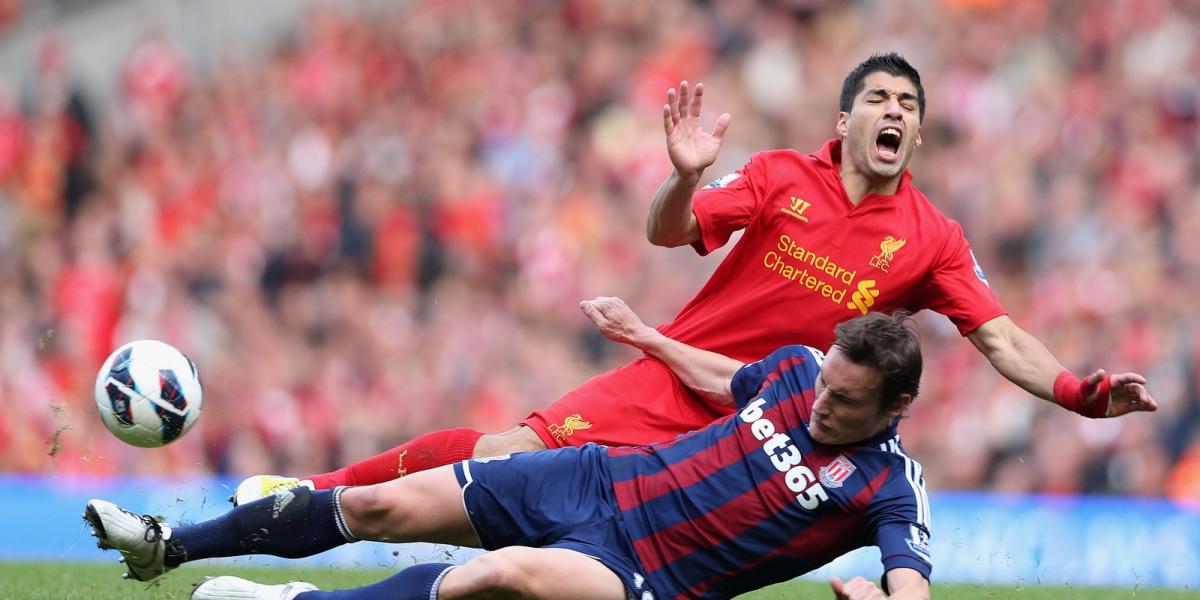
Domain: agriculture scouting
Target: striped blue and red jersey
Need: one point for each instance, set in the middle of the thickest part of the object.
(753, 500)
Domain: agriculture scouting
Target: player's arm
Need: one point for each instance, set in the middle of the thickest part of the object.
(1025, 361)
(898, 519)
(671, 221)
(906, 584)
(958, 289)
(707, 373)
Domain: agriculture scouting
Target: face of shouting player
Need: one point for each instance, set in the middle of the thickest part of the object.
(882, 129)
(848, 407)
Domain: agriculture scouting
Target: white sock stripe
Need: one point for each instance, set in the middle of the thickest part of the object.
(339, 518)
(433, 590)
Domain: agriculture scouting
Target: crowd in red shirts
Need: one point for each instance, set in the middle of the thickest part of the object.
(383, 225)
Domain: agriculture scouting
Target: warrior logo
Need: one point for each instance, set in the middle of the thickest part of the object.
(796, 210)
(572, 424)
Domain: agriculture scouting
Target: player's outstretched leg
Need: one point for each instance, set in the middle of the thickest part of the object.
(515, 572)
(293, 524)
(543, 573)
(423, 453)
(418, 582)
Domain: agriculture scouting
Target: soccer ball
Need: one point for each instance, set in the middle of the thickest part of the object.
(148, 393)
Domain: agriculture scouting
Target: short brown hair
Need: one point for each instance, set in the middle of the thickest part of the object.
(890, 63)
(888, 343)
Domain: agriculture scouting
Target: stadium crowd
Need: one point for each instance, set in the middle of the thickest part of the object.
(383, 226)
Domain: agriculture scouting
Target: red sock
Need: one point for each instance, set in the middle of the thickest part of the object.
(426, 452)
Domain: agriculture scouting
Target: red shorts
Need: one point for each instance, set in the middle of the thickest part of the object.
(640, 403)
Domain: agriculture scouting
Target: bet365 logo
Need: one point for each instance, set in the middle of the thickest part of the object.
(864, 297)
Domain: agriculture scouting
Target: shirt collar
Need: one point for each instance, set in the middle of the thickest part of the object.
(874, 441)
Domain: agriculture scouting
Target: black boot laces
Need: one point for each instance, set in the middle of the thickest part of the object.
(153, 528)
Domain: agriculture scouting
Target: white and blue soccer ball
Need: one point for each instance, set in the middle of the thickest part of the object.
(148, 393)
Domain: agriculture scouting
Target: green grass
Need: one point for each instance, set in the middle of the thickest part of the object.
(79, 581)
(809, 589)
(71, 581)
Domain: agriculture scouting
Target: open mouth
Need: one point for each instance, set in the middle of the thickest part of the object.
(887, 143)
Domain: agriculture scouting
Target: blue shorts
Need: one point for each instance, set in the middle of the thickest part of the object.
(551, 499)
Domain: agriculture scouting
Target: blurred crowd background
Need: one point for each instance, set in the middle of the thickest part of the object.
(382, 224)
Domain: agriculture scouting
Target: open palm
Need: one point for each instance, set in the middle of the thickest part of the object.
(690, 147)
(1127, 394)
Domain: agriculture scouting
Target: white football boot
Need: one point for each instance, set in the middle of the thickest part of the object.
(236, 588)
(258, 487)
(139, 538)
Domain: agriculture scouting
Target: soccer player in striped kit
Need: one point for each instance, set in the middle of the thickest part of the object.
(808, 467)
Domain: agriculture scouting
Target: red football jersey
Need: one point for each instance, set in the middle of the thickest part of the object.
(809, 259)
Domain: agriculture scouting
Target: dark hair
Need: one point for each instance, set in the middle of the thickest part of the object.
(888, 343)
(890, 63)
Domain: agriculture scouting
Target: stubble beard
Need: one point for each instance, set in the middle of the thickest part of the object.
(873, 170)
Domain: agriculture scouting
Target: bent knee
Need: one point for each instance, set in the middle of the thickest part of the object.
(368, 511)
(517, 439)
(504, 573)
(522, 572)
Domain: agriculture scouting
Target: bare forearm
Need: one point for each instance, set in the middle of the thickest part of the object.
(1031, 366)
(915, 591)
(907, 585)
(671, 222)
(1026, 362)
(707, 373)
(1019, 357)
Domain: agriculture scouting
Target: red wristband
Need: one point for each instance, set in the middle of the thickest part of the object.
(1077, 396)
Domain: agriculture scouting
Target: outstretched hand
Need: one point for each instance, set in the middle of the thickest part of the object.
(855, 589)
(1127, 393)
(691, 148)
(615, 320)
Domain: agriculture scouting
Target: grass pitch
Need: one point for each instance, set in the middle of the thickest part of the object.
(75, 581)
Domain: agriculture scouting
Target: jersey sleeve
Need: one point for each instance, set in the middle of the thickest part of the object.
(957, 286)
(728, 204)
(898, 519)
(749, 379)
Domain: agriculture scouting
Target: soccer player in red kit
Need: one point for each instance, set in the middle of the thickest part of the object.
(827, 236)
